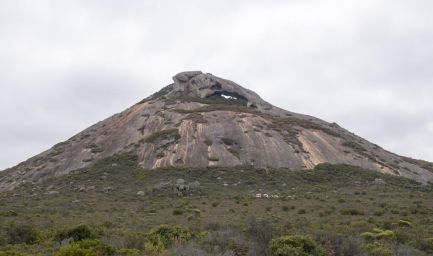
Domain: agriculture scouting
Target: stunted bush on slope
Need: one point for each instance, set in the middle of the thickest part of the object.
(21, 234)
(78, 233)
(295, 246)
(87, 248)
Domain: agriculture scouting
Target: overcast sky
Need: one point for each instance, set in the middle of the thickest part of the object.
(367, 65)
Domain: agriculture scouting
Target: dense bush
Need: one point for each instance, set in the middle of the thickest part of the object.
(295, 246)
(165, 90)
(177, 212)
(261, 233)
(406, 223)
(87, 248)
(160, 237)
(339, 245)
(11, 253)
(135, 241)
(78, 233)
(378, 249)
(128, 252)
(427, 245)
(187, 250)
(226, 241)
(21, 234)
(163, 135)
(302, 211)
(379, 234)
(352, 212)
(3, 240)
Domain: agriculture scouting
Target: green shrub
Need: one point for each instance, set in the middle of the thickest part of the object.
(302, 211)
(352, 212)
(9, 214)
(163, 135)
(3, 240)
(353, 145)
(423, 164)
(406, 223)
(177, 212)
(155, 247)
(377, 249)
(164, 91)
(166, 235)
(128, 252)
(427, 245)
(78, 233)
(135, 241)
(261, 232)
(12, 253)
(87, 248)
(21, 234)
(295, 246)
(339, 245)
(379, 213)
(379, 234)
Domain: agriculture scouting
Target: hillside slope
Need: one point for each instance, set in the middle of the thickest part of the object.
(232, 210)
(202, 120)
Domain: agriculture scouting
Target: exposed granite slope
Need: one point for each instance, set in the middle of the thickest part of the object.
(203, 120)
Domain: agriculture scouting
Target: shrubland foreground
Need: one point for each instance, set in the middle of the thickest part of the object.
(115, 208)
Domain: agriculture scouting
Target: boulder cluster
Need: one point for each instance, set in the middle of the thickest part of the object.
(180, 188)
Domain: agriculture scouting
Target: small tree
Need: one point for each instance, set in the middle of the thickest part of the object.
(261, 233)
(21, 234)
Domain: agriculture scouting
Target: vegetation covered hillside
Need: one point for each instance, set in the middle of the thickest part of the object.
(116, 208)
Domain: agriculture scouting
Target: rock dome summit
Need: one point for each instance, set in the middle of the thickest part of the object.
(201, 120)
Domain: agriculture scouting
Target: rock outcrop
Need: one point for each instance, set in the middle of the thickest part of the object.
(197, 84)
(202, 120)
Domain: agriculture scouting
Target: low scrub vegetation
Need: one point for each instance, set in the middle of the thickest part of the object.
(332, 210)
(295, 245)
(421, 163)
(169, 134)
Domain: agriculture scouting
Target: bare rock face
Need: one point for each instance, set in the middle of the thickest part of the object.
(202, 120)
(197, 84)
